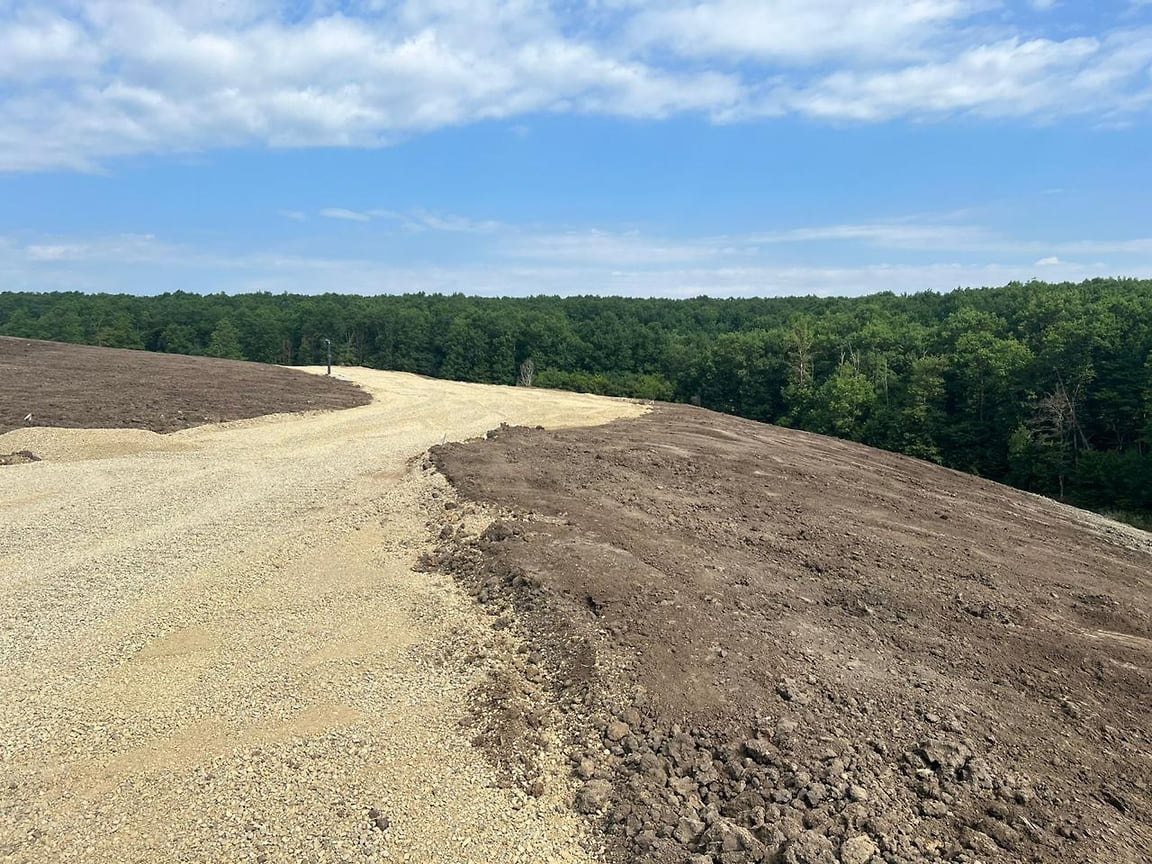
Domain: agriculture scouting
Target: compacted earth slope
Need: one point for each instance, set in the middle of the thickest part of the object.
(774, 646)
(83, 386)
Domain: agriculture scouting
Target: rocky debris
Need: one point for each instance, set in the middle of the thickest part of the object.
(666, 792)
(20, 457)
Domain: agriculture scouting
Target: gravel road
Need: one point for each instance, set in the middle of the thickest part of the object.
(213, 646)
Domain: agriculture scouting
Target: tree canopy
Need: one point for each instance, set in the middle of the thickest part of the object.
(1045, 386)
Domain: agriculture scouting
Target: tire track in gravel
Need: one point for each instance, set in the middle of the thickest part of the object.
(213, 646)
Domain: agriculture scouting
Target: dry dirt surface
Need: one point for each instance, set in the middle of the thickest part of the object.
(778, 647)
(214, 647)
(79, 386)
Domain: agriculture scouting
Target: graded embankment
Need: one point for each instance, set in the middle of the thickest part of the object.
(213, 646)
(789, 648)
(82, 386)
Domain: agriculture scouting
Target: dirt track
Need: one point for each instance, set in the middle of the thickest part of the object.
(213, 646)
(788, 648)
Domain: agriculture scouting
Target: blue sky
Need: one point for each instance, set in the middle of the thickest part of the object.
(674, 148)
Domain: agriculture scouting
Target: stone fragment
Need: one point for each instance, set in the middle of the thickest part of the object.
(616, 730)
(593, 796)
(857, 850)
(810, 848)
(687, 830)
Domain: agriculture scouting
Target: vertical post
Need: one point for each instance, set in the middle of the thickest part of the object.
(328, 343)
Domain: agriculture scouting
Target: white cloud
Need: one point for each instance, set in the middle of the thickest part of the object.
(345, 215)
(893, 235)
(423, 220)
(1039, 78)
(634, 249)
(416, 221)
(83, 82)
(126, 248)
(521, 262)
(164, 77)
(802, 31)
(614, 249)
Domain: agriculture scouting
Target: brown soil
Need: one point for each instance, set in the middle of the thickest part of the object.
(776, 646)
(79, 386)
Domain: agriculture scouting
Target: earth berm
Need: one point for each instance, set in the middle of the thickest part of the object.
(770, 646)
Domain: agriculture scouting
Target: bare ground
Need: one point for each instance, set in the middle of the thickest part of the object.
(773, 646)
(79, 386)
(213, 646)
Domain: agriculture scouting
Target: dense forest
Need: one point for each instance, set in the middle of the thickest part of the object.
(1047, 387)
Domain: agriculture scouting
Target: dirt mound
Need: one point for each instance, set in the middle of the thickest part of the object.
(780, 647)
(20, 457)
(79, 386)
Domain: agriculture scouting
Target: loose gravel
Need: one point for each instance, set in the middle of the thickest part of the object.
(213, 646)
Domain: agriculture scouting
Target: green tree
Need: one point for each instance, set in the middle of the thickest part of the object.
(178, 339)
(923, 413)
(225, 341)
(845, 401)
(120, 332)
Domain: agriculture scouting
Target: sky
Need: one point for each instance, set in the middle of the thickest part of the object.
(513, 147)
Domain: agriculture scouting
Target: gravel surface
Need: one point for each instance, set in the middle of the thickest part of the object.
(213, 646)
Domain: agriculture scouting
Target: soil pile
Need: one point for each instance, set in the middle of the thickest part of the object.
(79, 386)
(774, 646)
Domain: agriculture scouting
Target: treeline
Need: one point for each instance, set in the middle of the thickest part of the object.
(1047, 387)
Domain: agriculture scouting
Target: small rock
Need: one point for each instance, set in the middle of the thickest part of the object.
(616, 730)
(761, 751)
(857, 850)
(593, 796)
(809, 848)
(815, 794)
(930, 807)
(687, 830)
(378, 819)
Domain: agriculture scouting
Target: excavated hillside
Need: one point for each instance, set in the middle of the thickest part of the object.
(775, 646)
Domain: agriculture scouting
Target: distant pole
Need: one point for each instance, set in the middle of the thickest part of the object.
(328, 343)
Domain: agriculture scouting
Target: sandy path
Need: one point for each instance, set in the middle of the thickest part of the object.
(213, 647)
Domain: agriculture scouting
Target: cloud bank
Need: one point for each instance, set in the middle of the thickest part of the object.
(524, 260)
(86, 81)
